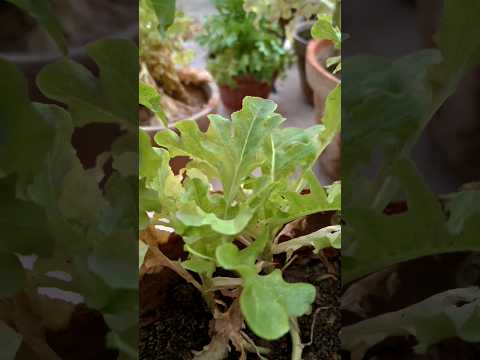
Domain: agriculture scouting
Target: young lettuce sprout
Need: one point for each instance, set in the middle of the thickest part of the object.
(267, 178)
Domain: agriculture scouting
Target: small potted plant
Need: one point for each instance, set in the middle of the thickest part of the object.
(182, 92)
(296, 17)
(227, 261)
(246, 54)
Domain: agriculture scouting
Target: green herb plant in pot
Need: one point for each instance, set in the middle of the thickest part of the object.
(246, 54)
(297, 18)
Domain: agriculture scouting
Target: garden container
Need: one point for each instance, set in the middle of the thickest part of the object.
(246, 86)
(301, 37)
(323, 82)
(201, 118)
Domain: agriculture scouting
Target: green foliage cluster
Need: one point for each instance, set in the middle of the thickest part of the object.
(55, 209)
(238, 46)
(251, 206)
(263, 170)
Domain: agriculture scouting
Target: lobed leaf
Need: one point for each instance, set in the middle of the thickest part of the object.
(268, 301)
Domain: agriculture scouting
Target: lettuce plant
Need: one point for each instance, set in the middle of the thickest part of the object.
(267, 181)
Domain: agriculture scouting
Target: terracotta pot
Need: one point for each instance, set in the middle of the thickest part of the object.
(301, 37)
(323, 82)
(318, 77)
(246, 86)
(201, 118)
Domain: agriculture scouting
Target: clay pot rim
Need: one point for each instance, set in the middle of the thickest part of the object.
(211, 89)
(44, 57)
(302, 26)
(314, 48)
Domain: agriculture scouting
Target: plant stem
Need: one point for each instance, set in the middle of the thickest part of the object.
(297, 346)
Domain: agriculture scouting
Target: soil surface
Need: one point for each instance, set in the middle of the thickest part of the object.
(175, 319)
(177, 326)
(320, 329)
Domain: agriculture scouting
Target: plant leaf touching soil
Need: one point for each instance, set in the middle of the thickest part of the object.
(267, 181)
(268, 301)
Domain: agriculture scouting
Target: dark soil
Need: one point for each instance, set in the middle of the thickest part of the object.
(177, 326)
(175, 319)
(325, 316)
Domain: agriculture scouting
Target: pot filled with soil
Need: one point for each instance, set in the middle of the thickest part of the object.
(237, 260)
(245, 54)
(323, 81)
(301, 37)
(232, 96)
